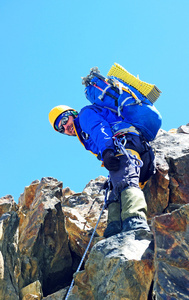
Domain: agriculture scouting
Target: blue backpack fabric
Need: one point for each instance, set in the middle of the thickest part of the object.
(129, 103)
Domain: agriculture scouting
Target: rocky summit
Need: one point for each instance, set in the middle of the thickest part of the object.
(44, 237)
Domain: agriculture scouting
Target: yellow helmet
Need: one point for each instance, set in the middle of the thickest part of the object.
(56, 112)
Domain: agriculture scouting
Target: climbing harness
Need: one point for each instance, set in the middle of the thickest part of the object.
(120, 142)
(83, 257)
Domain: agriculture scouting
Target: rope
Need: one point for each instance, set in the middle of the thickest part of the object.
(80, 264)
(137, 162)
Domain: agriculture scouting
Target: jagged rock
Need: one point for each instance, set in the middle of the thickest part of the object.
(157, 193)
(31, 297)
(183, 129)
(120, 267)
(170, 183)
(81, 214)
(24, 202)
(67, 192)
(28, 196)
(45, 255)
(9, 257)
(32, 291)
(173, 130)
(7, 204)
(171, 254)
(60, 295)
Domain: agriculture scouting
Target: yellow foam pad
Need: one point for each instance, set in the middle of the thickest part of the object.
(150, 91)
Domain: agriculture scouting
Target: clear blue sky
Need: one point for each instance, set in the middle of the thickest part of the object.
(46, 47)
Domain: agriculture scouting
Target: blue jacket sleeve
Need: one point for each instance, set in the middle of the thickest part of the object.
(95, 124)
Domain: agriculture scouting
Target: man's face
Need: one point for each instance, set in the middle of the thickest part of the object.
(68, 127)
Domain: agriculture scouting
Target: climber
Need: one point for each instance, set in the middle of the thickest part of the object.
(94, 127)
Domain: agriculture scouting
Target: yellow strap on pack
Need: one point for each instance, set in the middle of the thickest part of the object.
(150, 91)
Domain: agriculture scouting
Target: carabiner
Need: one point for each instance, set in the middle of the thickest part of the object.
(138, 163)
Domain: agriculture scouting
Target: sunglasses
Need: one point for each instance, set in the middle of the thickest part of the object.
(62, 122)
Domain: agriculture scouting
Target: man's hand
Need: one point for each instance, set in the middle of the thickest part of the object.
(111, 162)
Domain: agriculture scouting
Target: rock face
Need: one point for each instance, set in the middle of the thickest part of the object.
(81, 214)
(43, 244)
(9, 256)
(120, 267)
(168, 188)
(43, 238)
(171, 254)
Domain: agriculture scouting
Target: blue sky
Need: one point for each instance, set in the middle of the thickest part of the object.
(47, 46)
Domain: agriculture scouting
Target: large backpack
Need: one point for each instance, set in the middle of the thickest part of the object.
(126, 95)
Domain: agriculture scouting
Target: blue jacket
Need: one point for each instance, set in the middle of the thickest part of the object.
(95, 127)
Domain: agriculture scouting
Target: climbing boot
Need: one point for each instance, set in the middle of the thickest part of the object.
(135, 223)
(133, 210)
(114, 220)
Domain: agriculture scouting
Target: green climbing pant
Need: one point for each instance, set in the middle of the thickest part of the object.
(114, 212)
(114, 220)
(133, 203)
